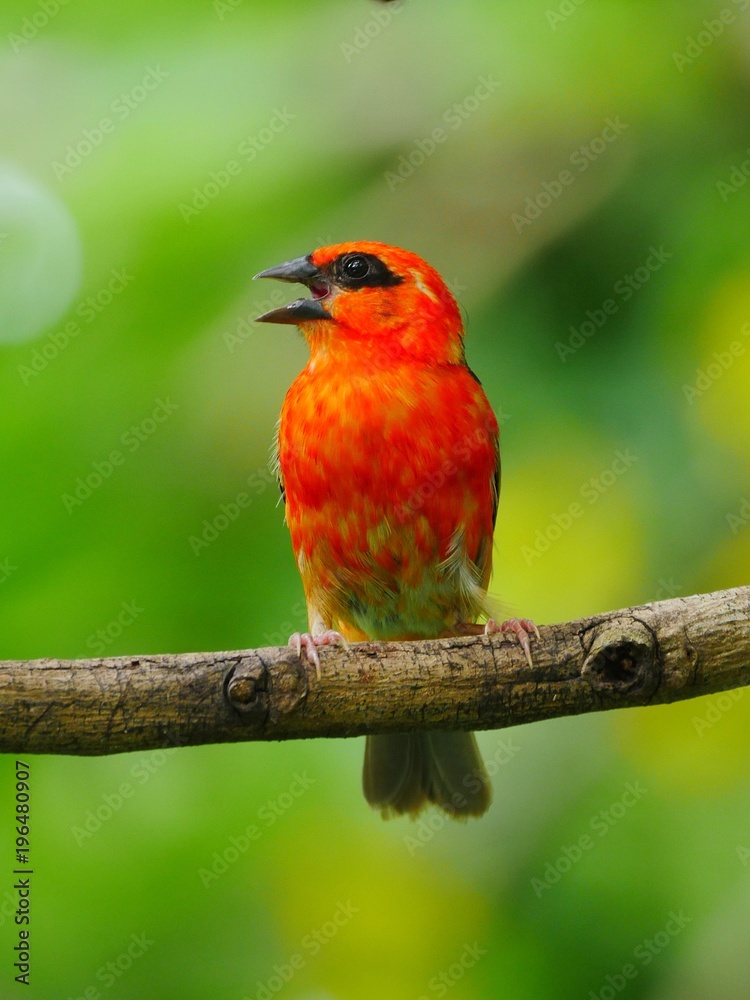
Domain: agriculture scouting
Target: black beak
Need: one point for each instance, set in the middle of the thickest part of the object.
(296, 312)
(301, 270)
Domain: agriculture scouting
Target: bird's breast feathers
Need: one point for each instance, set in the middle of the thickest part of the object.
(391, 491)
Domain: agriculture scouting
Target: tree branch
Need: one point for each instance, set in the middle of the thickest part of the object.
(649, 655)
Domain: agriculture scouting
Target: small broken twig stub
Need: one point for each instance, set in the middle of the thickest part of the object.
(648, 655)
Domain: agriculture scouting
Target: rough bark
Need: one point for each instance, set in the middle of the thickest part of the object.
(647, 655)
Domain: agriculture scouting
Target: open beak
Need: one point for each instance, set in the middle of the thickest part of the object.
(301, 270)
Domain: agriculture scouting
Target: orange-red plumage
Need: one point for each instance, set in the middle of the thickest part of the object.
(389, 462)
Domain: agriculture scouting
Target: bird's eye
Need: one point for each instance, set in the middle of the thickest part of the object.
(356, 266)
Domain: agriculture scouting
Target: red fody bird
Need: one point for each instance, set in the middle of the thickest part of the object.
(389, 465)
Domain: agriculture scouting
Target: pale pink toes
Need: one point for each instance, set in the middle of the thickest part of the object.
(521, 629)
(310, 643)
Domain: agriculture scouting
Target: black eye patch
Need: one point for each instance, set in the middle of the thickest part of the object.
(362, 270)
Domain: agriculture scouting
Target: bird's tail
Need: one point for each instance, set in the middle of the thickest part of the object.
(403, 773)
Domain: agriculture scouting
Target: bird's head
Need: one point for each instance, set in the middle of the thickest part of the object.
(372, 299)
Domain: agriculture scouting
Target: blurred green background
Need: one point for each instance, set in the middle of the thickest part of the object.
(608, 313)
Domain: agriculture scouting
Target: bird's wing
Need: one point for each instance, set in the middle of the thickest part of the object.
(276, 464)
(496, 481)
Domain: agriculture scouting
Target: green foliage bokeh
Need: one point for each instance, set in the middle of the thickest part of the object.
(626, 457)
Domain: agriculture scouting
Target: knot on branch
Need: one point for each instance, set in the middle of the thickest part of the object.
(262, 691)
(622, 658)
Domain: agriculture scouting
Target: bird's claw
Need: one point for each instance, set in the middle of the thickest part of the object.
(310, 643)
(521, 628)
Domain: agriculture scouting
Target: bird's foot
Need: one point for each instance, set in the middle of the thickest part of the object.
(522, 628)
(310, 643)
